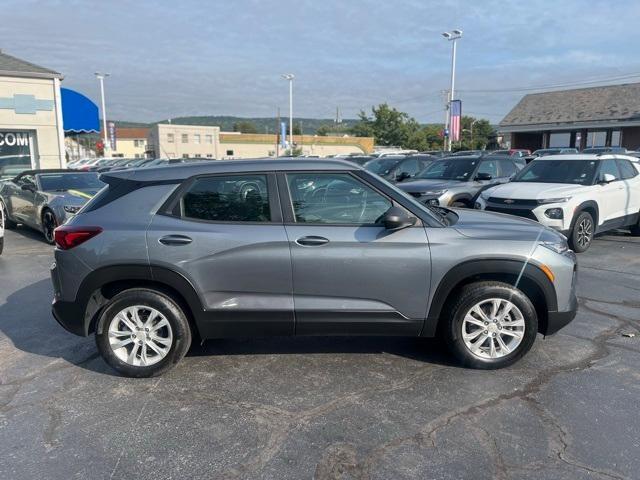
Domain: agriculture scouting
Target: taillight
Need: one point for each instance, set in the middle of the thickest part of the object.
(68, 236)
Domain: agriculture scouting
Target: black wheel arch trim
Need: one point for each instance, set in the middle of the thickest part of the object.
(88, 304)
(581, 208)
(466, 271)
(462, 197)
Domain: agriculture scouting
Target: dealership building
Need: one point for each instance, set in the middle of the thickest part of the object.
(580, 118)
(182, 141)
(31, 130)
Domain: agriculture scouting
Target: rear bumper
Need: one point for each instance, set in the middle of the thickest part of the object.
(69, 316)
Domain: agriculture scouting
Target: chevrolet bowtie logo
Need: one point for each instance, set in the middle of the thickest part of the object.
(509, 201)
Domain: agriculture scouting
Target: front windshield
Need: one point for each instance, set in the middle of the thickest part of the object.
(576, 172)
(381, 166)
(70, 181)
(450, 169)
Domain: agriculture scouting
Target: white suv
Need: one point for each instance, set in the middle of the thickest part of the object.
(579, 195)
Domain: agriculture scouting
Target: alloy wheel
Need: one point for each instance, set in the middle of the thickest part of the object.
(493, 328)
(585, 232)
(48, 226)
(140, 336)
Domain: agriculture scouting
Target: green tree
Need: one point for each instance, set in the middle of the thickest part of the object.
(297, 129)
(245, 126)
(481, 130)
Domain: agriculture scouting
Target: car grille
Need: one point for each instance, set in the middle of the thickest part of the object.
(514, 201)
(519, 212)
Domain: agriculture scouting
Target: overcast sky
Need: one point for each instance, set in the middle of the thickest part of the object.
(170, 59)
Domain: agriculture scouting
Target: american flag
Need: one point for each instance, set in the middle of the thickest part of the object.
(456, 117)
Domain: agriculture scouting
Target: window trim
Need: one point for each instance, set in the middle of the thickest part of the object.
(620, 161)
(171, 207)
(286, 200)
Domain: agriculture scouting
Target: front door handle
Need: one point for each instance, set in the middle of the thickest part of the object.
(312, 241)
(175, 240)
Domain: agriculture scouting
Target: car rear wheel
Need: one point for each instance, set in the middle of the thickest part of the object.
(635, 229)
(582, 233)
(143, 333)
(8, 224)
(49, 224)
(491, 325)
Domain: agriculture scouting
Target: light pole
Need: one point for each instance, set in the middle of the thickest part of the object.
(290, 77)
(101, 77)
(452, 36)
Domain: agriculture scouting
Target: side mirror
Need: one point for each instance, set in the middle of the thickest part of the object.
(396, 219)
(483, 176)
(28, 187)
(607, 178)
(402, 176)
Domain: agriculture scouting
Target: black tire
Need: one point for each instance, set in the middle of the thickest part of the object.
(8, 224)
(49, 224)
(635, 229)
(1, 244)
(582, 232)
(176, 317)
(467, 298)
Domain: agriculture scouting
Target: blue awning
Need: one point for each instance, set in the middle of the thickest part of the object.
(79, 114)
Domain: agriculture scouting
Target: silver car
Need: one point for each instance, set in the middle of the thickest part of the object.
(299, 247)
(456, 181)
(44, 199)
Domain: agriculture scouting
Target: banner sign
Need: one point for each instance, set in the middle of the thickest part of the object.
(111, 127)
(456, 120)
(283, 134)
(15, 152)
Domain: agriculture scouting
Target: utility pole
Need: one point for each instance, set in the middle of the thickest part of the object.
(278, 133)
(445, 97)
(290, 77)
(101, 77)
(452, 36)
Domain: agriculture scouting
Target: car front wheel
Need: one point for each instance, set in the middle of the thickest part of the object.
(491, 325)
(49, 224)
(142, 333)
(582, 233)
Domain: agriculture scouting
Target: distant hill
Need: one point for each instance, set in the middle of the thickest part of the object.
(263, 124)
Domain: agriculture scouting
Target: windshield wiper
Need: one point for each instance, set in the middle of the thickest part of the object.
(440, 212)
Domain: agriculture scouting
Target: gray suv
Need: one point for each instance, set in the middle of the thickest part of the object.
(161, 256)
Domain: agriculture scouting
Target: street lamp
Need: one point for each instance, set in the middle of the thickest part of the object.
(101, 77)
(290, 77)
(452, 36)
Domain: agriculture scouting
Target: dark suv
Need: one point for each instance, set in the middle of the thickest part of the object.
(299, 247)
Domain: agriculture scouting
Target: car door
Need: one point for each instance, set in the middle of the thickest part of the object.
(224, 234)
(612, 195)
(631, 181)
(22, 198)
(351, 275)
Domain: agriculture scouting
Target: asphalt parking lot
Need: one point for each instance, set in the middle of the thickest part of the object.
(324, 408)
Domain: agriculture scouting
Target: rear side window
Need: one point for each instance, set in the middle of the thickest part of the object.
(233, 198)
(627, 170)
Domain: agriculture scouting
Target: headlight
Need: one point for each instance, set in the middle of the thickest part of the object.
(434, 193)
(553, 241)
(71, 208)
(545, 201)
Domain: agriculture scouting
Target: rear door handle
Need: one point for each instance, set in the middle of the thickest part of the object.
(312, 241)
(175, 240)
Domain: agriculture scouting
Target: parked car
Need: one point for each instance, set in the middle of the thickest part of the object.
(465, 153)
(359, 159)
(162, 162)
(320, 247)
(435, 153)
(114, 163)
(44, 199)
(601, 150)
(578, 195)
(456, 181)
(397, 168)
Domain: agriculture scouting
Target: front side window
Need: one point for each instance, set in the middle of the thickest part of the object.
(335, 198)
(232, 198)
(489, 167)
(610, 167)
(450, 169)
(508, 168)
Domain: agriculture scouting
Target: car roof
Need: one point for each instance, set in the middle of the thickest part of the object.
(182, 171)
(41, 171)
(586, 156)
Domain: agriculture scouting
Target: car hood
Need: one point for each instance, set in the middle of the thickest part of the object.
(533, 191)
(481, 224)
(420, 185)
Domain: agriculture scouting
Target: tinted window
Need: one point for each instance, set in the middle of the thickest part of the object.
(382, 166)
(410, 166)
(450, 169)
(334, 198)
(627, 170)
(70, 181)
(235, 198)
(508, 168)
(610, 167)
(578, 172)
(490, 167)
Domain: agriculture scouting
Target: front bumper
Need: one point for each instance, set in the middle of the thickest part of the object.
(532, 212)
(557, 320)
